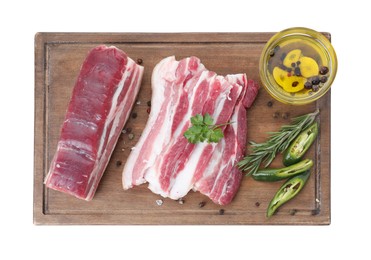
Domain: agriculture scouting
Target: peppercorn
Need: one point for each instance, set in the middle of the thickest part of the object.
(118, 163)
(315, 88)
(257, 204)
(271, 53)
(270, 103)
(308, 85)
(201, 204)
(323, 70)
(221, 212)
(315, 80)
(285, 115)
(139, 61)
(323, 79)
(134, 115)
(149, 103)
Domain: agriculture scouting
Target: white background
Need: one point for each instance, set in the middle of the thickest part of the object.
(351, 164)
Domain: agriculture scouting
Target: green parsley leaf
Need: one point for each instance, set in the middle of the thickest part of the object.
(193, 134)
(216, 135)
(202, 130)
(208, 120)
(197, 120)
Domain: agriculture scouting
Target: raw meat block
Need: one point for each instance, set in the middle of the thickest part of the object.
(101, 101)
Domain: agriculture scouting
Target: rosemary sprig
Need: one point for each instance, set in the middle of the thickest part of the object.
(264, 153)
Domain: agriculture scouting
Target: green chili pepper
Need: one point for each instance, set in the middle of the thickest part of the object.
(282, 173)
(300, 145)
(287, 191)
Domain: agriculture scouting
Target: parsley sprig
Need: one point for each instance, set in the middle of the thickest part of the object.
(203, 129)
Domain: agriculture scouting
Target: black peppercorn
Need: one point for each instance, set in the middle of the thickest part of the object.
(315, 80)
(323, 79)
(308, 85)
(221, 212)
(323, 70)
(271, 53)
(134, 115)
(285, 115)
(139, 61)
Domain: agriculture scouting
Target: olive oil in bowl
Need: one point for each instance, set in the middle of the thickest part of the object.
(298, 66)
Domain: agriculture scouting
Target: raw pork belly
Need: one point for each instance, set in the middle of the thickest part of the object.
(165, 159)
(100, 105)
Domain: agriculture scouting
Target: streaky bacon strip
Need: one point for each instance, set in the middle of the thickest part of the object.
(222, 178)
(165, 159)
(169, 77)
(101, 101)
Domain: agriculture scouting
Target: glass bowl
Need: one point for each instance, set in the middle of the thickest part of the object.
(298, 66)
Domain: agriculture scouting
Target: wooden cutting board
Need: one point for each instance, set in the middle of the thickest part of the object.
(58, 57)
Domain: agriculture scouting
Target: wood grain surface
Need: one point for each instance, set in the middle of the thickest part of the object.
(58, 57)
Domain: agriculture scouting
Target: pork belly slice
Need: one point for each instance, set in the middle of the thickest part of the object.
(101, 101)
(165, 159)
(169, 78)
(221, 178)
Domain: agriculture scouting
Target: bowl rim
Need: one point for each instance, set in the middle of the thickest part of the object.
(289, 32)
